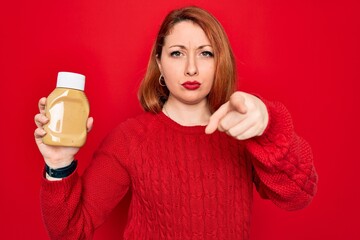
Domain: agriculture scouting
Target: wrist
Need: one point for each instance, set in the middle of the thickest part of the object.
(60, 162)
(59, 173)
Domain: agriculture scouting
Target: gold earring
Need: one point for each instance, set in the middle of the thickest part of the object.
(162, 83)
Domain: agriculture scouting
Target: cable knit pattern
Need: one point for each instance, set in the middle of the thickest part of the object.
(280, 156)
(185, 184)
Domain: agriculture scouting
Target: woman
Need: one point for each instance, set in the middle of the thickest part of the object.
(188, 180)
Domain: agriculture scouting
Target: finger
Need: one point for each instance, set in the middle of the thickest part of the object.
(39, 133)
(216, 117)
(237, 102)
(40, 120)
(250, 133)
(41, 104)
(230, 120)
(89, 124)
(245, 126)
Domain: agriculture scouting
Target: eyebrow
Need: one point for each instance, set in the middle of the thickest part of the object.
(183, 47)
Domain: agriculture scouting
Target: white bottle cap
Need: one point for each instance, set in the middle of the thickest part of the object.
(71, 80)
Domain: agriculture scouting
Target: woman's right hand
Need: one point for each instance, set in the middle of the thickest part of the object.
(54, 156)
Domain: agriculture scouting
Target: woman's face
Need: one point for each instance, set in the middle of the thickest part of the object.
(187, 63)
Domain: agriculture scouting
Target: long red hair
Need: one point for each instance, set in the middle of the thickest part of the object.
(152, 95)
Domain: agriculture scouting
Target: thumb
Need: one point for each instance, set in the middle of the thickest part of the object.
(237, 102)
(216, 117)
(90, 124)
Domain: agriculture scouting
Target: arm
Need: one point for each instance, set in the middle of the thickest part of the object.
(283, 162)
(73, 207)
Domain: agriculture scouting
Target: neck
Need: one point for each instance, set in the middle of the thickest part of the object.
(187, 115)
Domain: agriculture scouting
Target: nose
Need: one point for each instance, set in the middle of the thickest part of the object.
(191, 67)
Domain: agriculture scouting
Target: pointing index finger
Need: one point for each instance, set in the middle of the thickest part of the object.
(237, 101)
(216, 117)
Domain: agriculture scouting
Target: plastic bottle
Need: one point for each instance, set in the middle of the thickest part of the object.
(68, 110)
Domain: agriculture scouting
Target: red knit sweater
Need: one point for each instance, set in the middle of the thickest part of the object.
(185, 184)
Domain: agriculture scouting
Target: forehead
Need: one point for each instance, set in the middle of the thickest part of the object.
(186, 32)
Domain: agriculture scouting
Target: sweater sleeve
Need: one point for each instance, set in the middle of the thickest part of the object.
(282, 162)
(73, 207)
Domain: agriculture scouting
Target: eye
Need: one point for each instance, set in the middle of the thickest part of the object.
(207, 54)
(175, 54)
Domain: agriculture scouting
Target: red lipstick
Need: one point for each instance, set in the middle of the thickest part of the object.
(191, 85)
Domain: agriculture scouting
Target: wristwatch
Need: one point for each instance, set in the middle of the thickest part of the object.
(61, 172)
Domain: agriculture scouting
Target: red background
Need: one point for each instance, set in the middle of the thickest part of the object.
(303, 53)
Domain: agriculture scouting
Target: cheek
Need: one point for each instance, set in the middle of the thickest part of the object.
(208, 71)
(171, 70)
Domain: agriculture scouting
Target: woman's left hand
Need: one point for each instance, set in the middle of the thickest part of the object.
(244, 116)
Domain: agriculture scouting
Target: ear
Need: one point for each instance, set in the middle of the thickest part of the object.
(158, 61)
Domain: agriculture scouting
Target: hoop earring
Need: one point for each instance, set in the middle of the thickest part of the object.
(162, 83)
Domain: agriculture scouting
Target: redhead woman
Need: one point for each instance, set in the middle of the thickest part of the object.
(192, 158)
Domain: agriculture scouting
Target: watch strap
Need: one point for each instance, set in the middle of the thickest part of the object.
(61, 172)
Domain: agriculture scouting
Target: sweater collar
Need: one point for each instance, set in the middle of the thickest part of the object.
(176, 126)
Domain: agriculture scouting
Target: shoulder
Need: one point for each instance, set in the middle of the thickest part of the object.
(127, 135)
(135, 125)
(132, 128)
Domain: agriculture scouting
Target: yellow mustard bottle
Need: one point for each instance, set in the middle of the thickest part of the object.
(68, 110)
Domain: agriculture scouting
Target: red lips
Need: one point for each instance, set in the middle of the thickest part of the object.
(191, 85)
